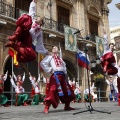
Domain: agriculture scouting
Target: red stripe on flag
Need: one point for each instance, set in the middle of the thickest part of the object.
(11, 52)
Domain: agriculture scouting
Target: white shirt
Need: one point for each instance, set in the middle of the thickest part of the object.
(32, 10)
(37, 38)
(23, 78)
(77, 91)
(36, 87)
(48, 65)
(19, 89)
(4, 78)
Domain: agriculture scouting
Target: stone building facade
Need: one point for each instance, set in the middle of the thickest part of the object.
(89, 15)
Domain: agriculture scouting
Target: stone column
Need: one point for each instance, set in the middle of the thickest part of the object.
(105, 13)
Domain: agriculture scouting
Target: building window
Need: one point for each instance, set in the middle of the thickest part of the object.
(63, 17)
(93, 29)
(22, 6)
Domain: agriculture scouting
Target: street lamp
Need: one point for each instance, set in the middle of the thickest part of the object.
(94, 63)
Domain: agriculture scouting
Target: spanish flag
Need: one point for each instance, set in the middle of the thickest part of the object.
(13, 53)
(40, 59)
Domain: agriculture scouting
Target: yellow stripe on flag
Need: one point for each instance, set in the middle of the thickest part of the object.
(41, 57)
(15, 58)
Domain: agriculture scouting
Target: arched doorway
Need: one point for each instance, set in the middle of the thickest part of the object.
(71, 69)
(31, 67)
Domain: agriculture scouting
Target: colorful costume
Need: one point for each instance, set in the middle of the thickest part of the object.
(36, 89)
(58, 86)
(21, 99)
(46, 81)
(108, 59)
(36, 31)
(77, 93)
(89, 97)
(21, 41)
(3, 98)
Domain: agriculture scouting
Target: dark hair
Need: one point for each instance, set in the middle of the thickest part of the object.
(111, 44)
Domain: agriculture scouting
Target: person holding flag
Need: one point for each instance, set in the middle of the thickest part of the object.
(58, 85)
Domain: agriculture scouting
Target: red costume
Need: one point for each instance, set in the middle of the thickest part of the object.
(59, 89)
(108, 61)
(53, 98)
(21, 41)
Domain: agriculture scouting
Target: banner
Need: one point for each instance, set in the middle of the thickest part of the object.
(99, 46)
(70, 39)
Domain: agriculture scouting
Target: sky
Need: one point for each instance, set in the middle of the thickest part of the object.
(114, 14)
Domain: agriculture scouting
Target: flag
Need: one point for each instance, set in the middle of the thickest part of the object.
(70, 39)
(99, 46)
(13, 54)
(82, 60)
(40, 59)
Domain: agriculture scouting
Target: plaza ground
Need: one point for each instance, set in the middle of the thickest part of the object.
(36, 112)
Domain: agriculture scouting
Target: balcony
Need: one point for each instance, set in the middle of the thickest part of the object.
(51, 25)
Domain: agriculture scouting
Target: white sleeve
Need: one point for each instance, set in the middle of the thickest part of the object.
(64, 67)
(45, 64)
(93, 85)
(107, 81)
(23, 78)
(38, 78)
(44, 79)
(40, 48)
(13, 83)
(5, 77)
(15, 77)
(32, 10)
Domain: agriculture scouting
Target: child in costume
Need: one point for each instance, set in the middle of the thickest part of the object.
(34, 83)
(3, 98)
(21, 98)
(77, 93)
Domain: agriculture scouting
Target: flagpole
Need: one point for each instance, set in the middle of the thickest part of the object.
(11, 85)
(78, 73)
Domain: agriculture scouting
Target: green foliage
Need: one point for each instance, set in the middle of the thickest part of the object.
(98, 77)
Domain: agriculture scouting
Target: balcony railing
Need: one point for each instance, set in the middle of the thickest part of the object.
(15, 13)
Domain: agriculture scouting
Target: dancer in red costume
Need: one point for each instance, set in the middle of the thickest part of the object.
(108, 59)
(59, 87)
(21, 41)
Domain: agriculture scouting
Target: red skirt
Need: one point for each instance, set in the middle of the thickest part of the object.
(53, 98)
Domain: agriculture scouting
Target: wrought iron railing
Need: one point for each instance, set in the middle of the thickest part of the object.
(8, 10)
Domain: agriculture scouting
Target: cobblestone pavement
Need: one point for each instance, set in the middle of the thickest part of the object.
(36, 112)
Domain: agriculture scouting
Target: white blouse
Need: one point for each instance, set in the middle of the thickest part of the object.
(48, 64)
